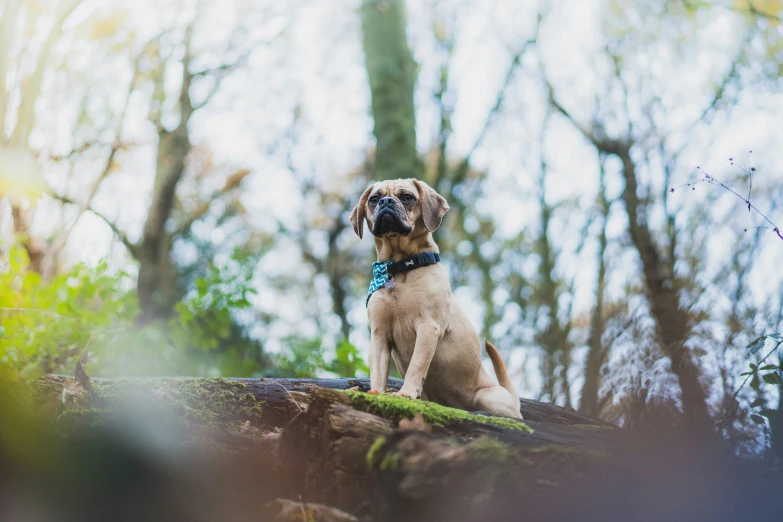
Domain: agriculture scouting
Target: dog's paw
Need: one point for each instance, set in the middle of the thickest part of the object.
(406, 394)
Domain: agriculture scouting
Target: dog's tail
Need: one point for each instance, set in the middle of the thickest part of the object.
(500, 369)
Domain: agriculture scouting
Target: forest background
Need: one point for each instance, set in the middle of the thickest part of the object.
(176, 179)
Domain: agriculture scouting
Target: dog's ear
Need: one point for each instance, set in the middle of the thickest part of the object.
(357, 215)
(433, 205)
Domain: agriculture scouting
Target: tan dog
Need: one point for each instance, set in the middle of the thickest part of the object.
(417, 322)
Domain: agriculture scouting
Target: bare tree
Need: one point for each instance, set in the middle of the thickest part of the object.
(22, 71)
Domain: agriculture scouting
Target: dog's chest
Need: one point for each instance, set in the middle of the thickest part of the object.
(419, 295)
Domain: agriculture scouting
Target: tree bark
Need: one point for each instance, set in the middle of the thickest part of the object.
(588, 403)
(671, 320)
(392, 75)
(157, 281)
(554, 339)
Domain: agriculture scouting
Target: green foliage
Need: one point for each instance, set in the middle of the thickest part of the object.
(772, 373)
(304, 357)
(348, 361)
(204, 324)
(47, 324)
(759, 373)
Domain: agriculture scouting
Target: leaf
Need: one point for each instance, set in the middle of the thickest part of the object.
(758, 419)
(768, 367)
(760, 401)
(755, 382)
(772, 378)
(757, 344)
(776, 336)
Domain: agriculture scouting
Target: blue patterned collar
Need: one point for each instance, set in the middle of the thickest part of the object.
(383, 271)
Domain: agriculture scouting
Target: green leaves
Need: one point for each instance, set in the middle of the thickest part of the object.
(757, 344)
(46, 324)
(348, 360)
(304, 358)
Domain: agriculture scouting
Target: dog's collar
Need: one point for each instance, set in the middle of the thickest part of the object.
(383, 271)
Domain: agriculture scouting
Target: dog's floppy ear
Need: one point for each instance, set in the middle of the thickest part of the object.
(357, 215)
(433, 205)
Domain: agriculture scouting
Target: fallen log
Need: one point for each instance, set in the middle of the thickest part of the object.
(281, 396)
(234, 447)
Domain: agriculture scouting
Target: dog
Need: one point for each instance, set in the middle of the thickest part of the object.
(414, 318)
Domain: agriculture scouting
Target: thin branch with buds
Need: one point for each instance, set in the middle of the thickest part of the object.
(712, 180)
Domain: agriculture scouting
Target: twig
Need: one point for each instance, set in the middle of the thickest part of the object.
(708, 178)
(289, 395)
(122, 236)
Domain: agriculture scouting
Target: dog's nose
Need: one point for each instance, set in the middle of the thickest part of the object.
(386, 202)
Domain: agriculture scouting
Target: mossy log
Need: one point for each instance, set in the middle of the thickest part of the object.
(382, 458)
(349, 448)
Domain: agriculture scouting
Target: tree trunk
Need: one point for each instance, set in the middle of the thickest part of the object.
(554, 339)
(671, 320)
(392, 75)
(588, 403)
(157, 281)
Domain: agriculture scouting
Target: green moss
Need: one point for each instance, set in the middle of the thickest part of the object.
(216, 401)
(591, 426)
(48, 387)
(378, 458)
(374, 453)
(205, 409)
(396, 408)
(71, 421)
(489, 449)
(390, 461)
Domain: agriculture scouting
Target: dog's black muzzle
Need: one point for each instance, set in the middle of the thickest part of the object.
(389, 218)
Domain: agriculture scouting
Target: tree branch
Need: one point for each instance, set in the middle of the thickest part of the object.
(122, 236)
(232, 182)
(462, 169)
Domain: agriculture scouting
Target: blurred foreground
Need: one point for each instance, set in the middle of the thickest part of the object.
(203, 450)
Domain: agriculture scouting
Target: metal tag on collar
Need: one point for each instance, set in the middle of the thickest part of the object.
(390, 283)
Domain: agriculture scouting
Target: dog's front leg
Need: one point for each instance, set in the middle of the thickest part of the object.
(427, 336)
(380, 358)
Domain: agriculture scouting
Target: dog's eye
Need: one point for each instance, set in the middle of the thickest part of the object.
(374, 200)
(407, 198)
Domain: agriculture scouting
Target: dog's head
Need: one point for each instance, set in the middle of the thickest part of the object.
(399, 207)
